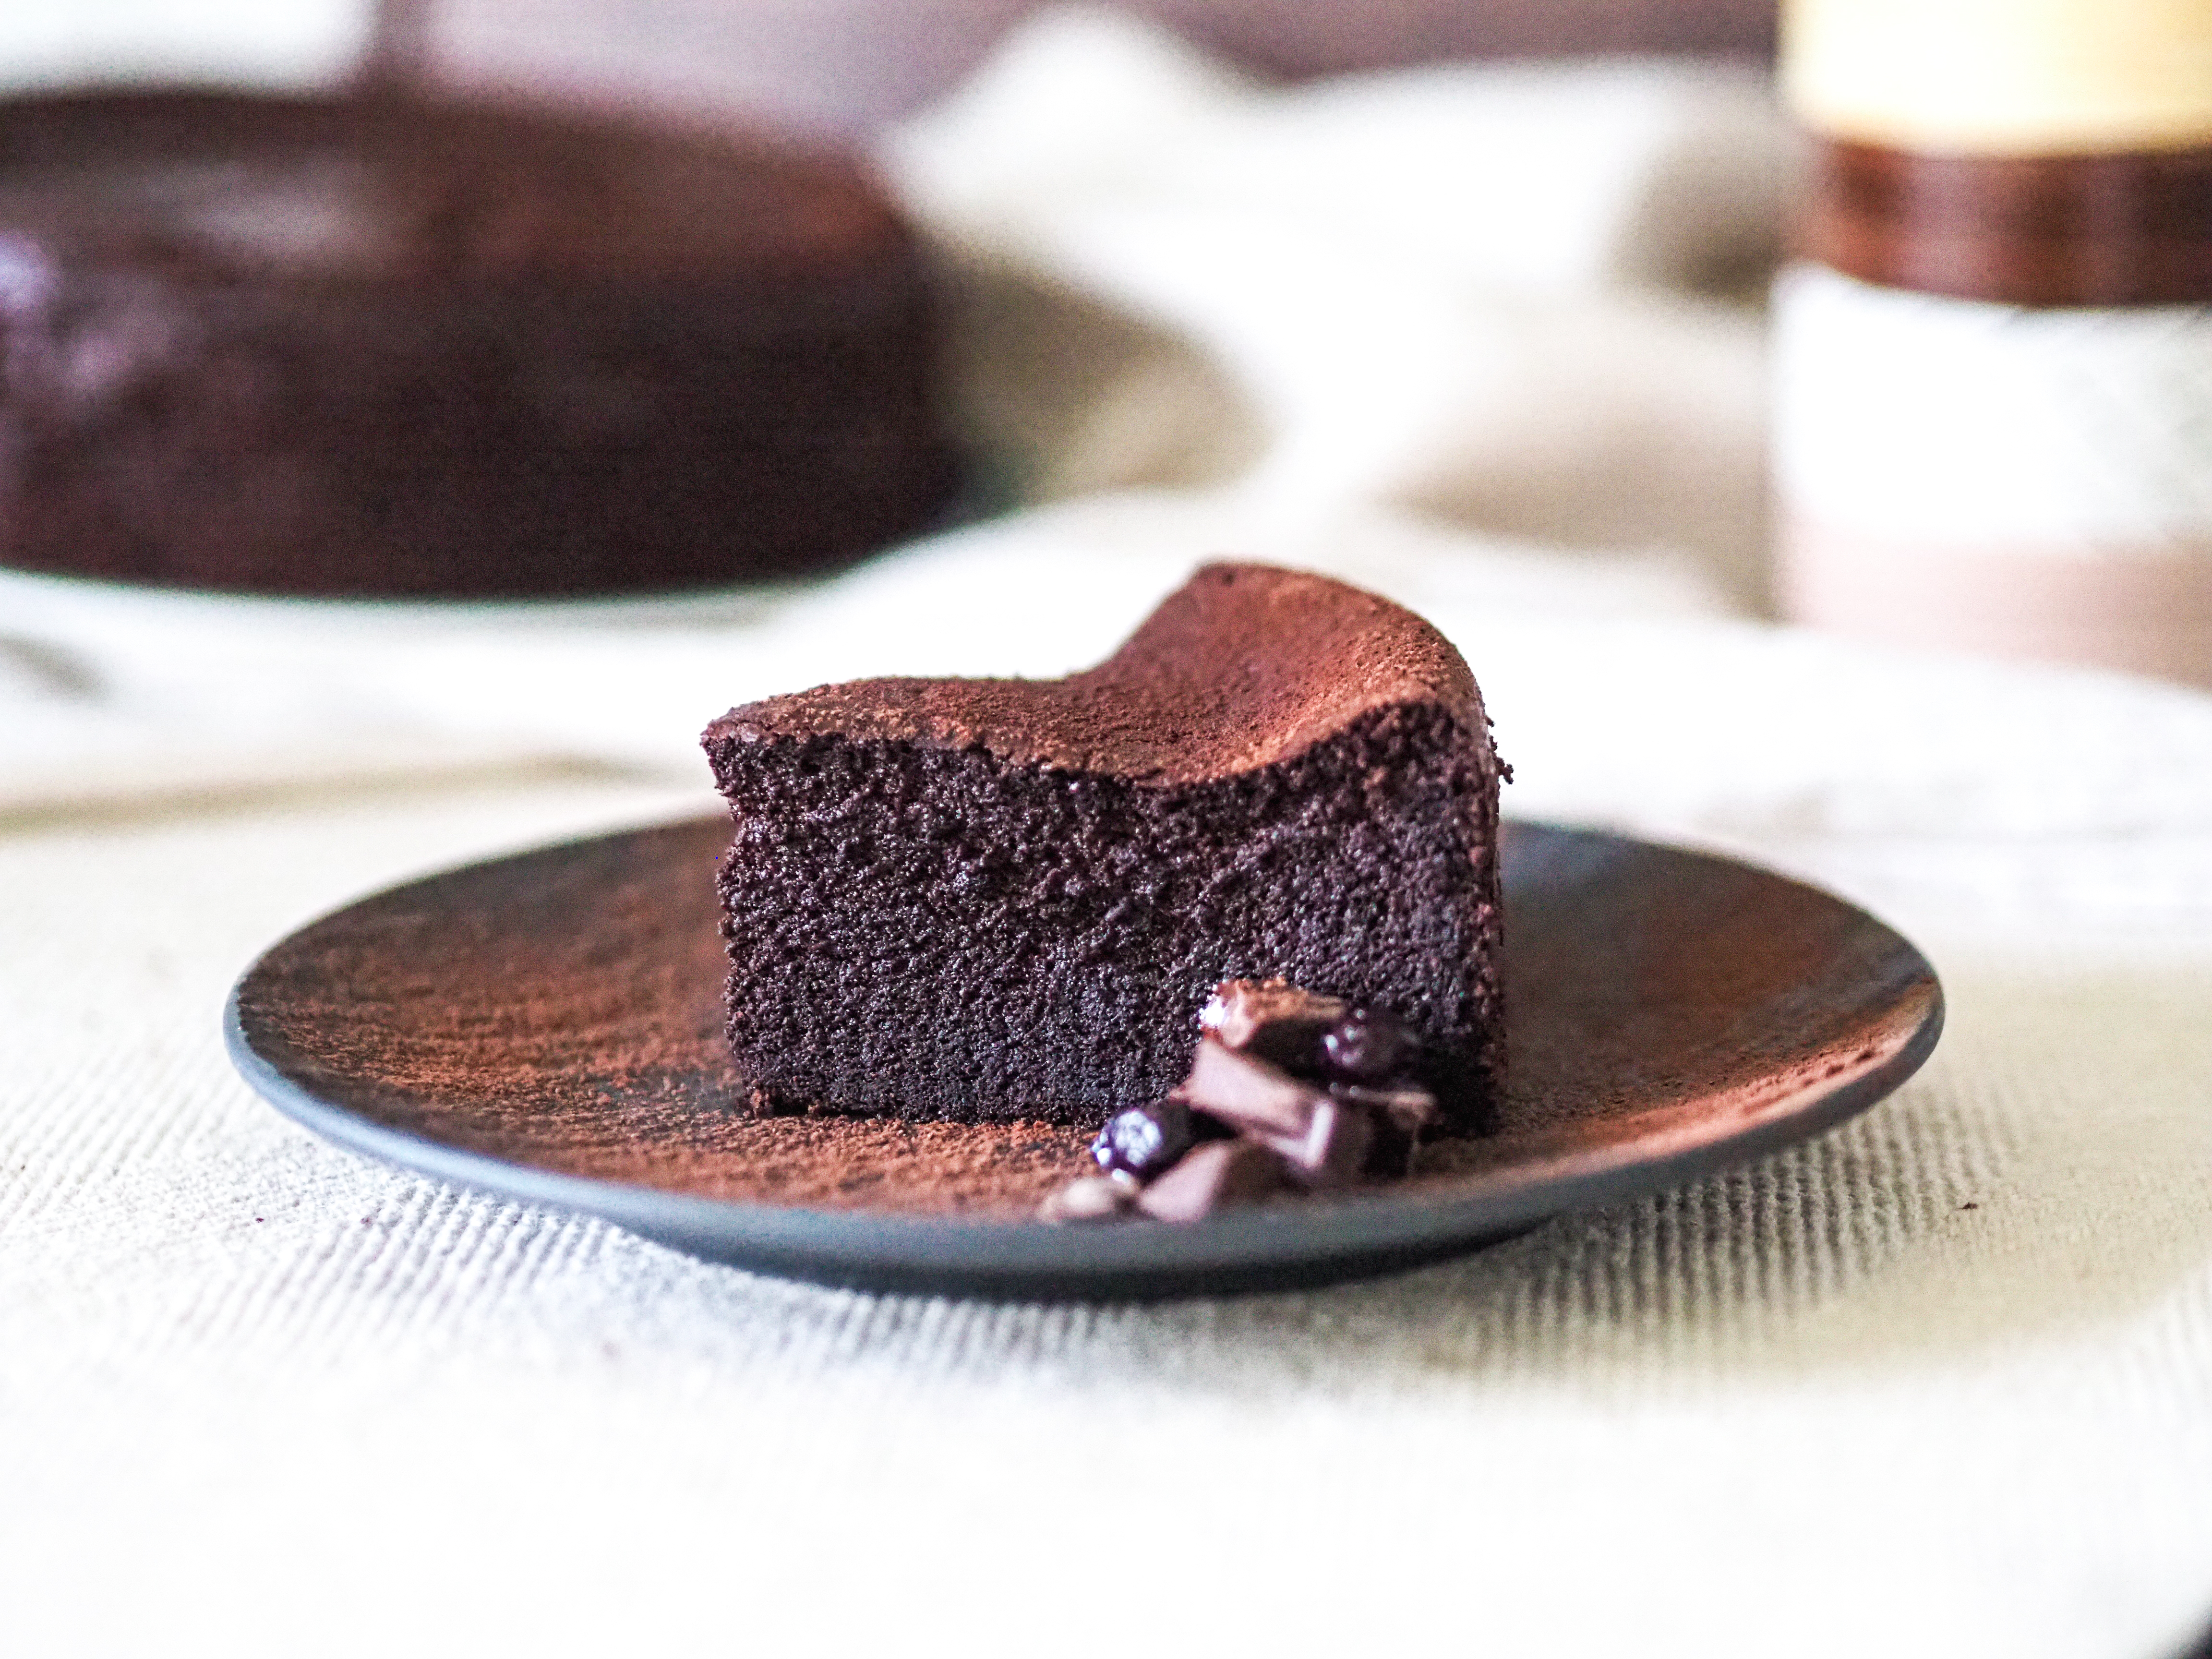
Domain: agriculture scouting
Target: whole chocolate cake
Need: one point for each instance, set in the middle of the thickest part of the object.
(993, 899)
(368, 346)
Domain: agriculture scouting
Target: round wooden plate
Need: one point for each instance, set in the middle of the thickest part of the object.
(548, 1027)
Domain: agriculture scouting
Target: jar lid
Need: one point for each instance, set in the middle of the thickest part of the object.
(2002, 77)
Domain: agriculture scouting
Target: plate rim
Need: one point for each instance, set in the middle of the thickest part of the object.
(1319, 1240)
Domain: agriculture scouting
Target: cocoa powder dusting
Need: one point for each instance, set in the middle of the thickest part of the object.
(565, 1012)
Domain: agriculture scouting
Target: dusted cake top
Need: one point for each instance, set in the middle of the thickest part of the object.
(1244, 666)
(224, 185)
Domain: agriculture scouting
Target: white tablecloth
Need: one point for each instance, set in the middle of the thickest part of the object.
(1940, 1382)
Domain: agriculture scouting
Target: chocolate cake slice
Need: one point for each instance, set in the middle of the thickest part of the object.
(993, 899)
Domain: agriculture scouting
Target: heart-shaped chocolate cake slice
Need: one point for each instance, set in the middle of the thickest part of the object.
(993, 899)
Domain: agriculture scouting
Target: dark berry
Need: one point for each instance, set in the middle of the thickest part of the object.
(1144, 1140)
(1369, 1046)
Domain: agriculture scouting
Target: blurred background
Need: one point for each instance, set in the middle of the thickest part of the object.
(841, 65)
(1437, 294)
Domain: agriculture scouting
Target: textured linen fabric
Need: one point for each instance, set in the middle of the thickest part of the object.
(1937, 1383)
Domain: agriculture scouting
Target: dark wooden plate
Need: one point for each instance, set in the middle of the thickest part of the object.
(548, 1027)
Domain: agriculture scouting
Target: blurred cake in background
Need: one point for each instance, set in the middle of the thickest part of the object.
(377, 345)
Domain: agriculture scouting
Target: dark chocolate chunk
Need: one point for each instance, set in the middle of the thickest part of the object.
(1408, 1107)
(1323, 1140)
(1144, 1140)
(1335, 1149)
(1214, 1177)
(1273, 1020)
(1401, 1115)
(1370, 1046)
(1249, 1095)
(1389, 1151)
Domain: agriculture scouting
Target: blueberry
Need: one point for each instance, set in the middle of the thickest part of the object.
(1144, 1140)
(1369, 1046)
